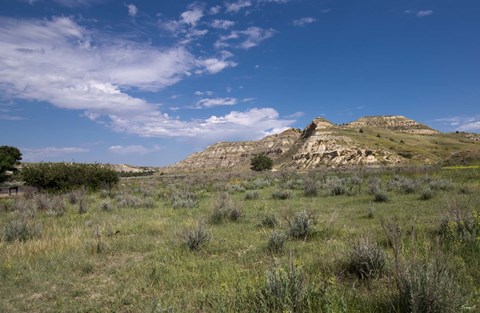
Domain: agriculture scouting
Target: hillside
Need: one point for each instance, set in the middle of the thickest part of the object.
(368, 141)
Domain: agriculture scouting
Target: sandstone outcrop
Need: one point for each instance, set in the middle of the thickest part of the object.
(324, 144)
(395, 123)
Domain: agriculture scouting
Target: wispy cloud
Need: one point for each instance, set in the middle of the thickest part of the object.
(251, 124)
(222, 24)
(249, 38)
(61, 62)
(38, 154)
(134, 149)
(419, 13)
(460, 123)
(235, 7)
(132, 10)
(303, 21)
(212, 102)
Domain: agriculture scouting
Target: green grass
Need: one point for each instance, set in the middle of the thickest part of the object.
(135, 259)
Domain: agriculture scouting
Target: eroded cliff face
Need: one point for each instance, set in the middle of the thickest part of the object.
(323, 144)
(395, 123)
(227, 155)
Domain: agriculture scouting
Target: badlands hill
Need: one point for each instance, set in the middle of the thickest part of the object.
(368, 141)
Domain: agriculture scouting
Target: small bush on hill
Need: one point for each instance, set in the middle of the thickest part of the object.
(67, 176)
(261, 162)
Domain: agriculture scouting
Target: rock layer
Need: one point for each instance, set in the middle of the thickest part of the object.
(324, 144)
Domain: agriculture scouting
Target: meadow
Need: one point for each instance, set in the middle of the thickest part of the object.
(363, 240)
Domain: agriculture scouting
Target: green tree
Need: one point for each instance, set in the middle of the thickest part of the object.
(261, 162)
(9, 157)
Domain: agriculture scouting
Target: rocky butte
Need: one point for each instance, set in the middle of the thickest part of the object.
(369, 141)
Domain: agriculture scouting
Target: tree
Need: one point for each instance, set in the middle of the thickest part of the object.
(261, 162)
(9, 157)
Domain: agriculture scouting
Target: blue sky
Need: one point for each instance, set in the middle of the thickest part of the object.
(149, 82)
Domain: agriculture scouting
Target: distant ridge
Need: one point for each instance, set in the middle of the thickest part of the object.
(369, 141)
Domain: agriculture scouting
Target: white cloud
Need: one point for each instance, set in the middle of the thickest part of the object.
(214, 10)
(419, 13)
(132, 10)
(222, 24)
(60, 62)
(303, 21)
(252, 124)
(38, 154)
(192, 16)
(423, 13)
(461, 123)
(235, 7)
(251, 37)
(212, 102)
(202, 93)
(134, 149)
(214, 65)
(8, 117)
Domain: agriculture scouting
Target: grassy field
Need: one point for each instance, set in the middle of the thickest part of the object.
(356, 241)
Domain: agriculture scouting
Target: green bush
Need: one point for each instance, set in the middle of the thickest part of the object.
(197, 237)
(252, 195)
(366, 260)
(428, 287)
(300, 226)
(67, 176)
(225, 209)
(22, 228)
(276, 241)
(282, 194)
(184, 199)
(268, 220)
(290, 290)
(261, 162)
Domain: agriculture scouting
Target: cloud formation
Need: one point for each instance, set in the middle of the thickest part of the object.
(303, 21)
(38, 154)
(132, 10)
(61, 62)
(419, 13)
(134, 149)
(246, 39)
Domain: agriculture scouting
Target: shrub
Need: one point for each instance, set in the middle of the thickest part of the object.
(75, 196)
(52, 205)
(22, 228)
(282, 194)
(106, 206)
(197, 237)
(252, 195)
(261, 162)
(371, 212)
(126, 200)
(310, 187)
(268, 220)
(290, 290)
(82, 206)
(380, 196)
(300, 226)
(426, 194)
(66, 176)
(366, 260)
(276, 241)
(225, 209)
(461, 225)
(429, 288)
(184, 199)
